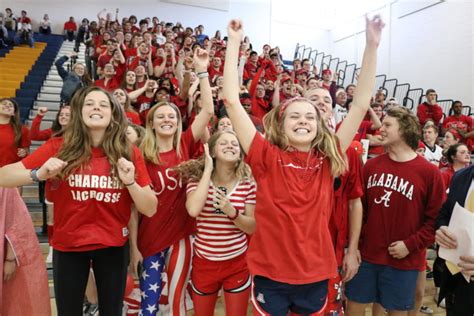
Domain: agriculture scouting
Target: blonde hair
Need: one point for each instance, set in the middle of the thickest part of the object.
(325, 141)
(193, 169)
(149, 145)
(76, 149)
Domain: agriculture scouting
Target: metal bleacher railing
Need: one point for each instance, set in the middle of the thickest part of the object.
(403, 92)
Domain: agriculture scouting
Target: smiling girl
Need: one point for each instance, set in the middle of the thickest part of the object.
(97, 177)
(291, 255)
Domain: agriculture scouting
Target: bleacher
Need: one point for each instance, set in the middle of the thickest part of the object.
(405, 93)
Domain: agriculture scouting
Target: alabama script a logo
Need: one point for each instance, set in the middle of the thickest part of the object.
(385, 199)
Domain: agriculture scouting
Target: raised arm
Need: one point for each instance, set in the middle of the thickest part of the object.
(376, 124)
(196, 199)
(201, 60)
(241, 122)
(366, 82)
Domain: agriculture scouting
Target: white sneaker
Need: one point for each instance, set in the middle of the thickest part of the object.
(49, 258)
(442, 304)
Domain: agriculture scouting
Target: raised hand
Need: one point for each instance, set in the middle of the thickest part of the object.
(51, 168)
(126, 171)
(235, 30)
(373, 31)
(201, 60)
(208, 161)
(42, 110)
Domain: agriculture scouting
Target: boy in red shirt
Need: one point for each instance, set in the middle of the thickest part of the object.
(70, 28)
(403, 194)
(429, 110)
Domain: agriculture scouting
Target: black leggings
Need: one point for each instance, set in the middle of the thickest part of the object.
(71, 271)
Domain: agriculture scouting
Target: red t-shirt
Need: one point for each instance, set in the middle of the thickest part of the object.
(36, 133)
(375, 150)
(91, 209)
(447, 174)
(364, 128)
(169, 70)
(143, 106)
(110, 86)
(104, 59)
(463, 123)
(292, 242)
(350, 188)
(427, 112)
(401, 202)
(171, 222)
(134, 118)
(8, 148)
(70, 26)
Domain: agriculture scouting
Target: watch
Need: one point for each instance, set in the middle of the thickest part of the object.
(34, 175)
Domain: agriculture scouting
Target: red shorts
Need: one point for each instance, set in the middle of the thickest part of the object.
(208, 277)
(335, 297)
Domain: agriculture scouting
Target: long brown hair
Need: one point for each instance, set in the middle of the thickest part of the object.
(149, 146)
(56, 127)
(193, 169)
(325, 141)
(76, 149)
(15, 120)
(128, 103)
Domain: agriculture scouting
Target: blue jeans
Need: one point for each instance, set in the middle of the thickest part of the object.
(29, 40)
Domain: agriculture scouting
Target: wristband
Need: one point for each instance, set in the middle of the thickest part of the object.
(202, 75)
(237, 213)
(10, 260)
(127, 185)
(34, 175)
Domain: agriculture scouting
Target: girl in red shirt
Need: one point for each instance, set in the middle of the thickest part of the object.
(291, 255)
(129, 81)
(167, 235)
(123, 99)
(15, 140)
(221, 196)
(458, 157)
(62, 119)
(97, 175)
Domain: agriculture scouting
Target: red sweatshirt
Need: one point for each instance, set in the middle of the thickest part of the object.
(401, 202)
(260, 106)
(427, 112)
(36, 133)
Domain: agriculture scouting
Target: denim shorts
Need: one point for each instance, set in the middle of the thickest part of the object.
(394, 289)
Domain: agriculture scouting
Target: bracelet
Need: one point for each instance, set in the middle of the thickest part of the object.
(10, 260)
(237, 213)
(202, 75)
(34, 175)
(127, 185)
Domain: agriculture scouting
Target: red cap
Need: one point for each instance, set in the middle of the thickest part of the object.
(326, 72)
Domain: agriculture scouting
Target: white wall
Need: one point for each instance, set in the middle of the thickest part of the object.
(256, 16)
(431, 48)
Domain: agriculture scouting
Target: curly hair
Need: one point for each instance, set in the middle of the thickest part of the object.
(409, 125)
(192, 170)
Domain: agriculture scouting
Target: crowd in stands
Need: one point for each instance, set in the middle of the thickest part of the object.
(228, 195)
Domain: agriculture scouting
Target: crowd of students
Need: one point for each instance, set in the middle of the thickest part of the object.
(195, 157)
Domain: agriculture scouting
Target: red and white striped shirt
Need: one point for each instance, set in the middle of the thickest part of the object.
(217, 237)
